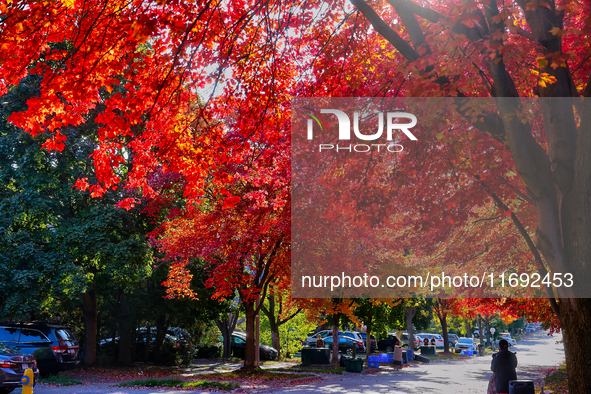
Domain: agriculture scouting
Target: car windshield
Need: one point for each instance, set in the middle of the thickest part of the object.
(465, 340)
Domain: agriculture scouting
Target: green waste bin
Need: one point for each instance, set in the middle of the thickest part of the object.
(353, 364)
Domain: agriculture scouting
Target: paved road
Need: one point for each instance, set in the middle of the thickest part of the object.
(535, 354)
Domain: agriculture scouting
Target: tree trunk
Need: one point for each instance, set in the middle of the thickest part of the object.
(336, 318)
(226, 327)
(148, 340)
(576, 319)
(410, 314)
(368, 337)
(90, 316)
(225, 330)
(275, 342)
(443, 321)
(161, 326)
(274, 313)
(488, 341)
(125, 332)
(480, 336)
(273, 322)
(249, 353)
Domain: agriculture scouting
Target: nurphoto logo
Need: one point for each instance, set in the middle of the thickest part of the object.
(393, 124)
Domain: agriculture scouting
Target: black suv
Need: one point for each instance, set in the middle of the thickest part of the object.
(53, 345)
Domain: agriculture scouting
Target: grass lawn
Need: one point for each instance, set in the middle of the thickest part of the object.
(60, 380)
(312, 369)
(202, 384)
(446, 356)
(262, 375)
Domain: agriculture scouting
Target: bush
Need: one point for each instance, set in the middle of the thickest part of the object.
(169, 354)
(209, 350)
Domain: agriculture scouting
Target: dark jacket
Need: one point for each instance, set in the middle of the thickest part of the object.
(503, 365)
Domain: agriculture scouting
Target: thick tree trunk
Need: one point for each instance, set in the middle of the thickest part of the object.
(575, 313)
(90, 316)
(468, 328)
(576, 319)
(125, 332)
(275, 342)
(249, 353)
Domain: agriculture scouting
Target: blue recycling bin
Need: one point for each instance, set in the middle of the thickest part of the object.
(409, 355)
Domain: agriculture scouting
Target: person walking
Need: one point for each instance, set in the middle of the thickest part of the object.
(503, 365)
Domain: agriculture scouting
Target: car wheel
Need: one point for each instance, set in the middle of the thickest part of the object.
(389, 349)
(349, 351)
(6, 390)
(405, 346)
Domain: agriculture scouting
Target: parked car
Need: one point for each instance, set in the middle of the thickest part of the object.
(312, 337)
(372, 342)
(464, 344)
(346, 344)
(512, 342)
(453, 338)
(311, 340)
(387, 344)
(405, 341)
(171, 347)
(529, 327)
(353, 334)
(238, 345)
(53, 345)
(438, 339)
(13, 365)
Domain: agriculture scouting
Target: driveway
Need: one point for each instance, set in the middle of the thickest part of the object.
(536, 354)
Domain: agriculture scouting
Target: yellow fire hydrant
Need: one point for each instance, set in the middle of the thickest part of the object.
(28, 380)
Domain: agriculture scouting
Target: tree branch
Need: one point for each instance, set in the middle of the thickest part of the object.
(386, 31)
(411, 24)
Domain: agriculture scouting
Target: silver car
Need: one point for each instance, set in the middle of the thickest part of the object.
(453, 339)
(464, 344)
